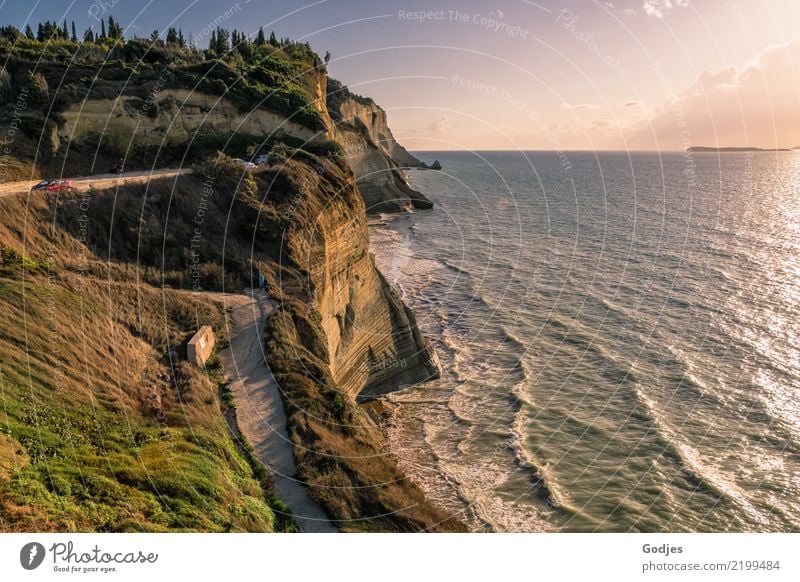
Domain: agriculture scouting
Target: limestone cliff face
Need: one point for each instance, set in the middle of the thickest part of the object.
(372, 152)
(373, 343)
(173, 115)
(339, 333)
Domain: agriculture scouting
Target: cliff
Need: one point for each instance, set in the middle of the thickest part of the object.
(340, 333)
(175, 108)
(372, 340)
(370, 149)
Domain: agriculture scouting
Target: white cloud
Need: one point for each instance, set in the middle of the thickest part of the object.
(659, 8)
(581, 107)
(756, 105)
(438, 127)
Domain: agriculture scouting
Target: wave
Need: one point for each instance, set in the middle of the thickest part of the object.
(543, 480)
(700, 475)
(510, 338)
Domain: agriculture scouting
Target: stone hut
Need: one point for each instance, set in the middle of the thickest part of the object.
(200, 346)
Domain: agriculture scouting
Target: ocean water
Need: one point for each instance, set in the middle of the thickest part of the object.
(619, 336)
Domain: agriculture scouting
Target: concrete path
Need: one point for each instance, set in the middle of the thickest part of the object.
(99, 181)
(259, 408)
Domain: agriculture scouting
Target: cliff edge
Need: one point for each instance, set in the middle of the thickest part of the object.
(370, 149)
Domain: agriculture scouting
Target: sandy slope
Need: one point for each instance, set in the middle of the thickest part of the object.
(259, 408)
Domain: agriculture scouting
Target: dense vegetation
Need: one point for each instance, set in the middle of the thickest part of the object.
(43, 74)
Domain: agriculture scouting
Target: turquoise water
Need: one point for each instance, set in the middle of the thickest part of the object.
(619, 336)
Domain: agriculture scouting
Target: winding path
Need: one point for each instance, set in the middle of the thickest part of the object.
(259, 408)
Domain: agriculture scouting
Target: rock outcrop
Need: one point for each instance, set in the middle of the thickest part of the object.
(434, 166)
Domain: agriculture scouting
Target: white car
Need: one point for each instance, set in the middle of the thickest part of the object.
(246, 165)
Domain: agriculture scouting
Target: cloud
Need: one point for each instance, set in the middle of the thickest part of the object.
(631, 104)
(438, 127)
(659, 8)
(581, 107)
(755, 105)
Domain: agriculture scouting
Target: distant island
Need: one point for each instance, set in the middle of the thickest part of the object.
(702, 149)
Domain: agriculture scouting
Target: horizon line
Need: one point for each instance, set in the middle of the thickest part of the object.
(721, 150)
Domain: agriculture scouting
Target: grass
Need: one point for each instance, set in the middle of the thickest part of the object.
(83, 449)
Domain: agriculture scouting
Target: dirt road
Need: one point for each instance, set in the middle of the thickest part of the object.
(98, 181)
(259, 408)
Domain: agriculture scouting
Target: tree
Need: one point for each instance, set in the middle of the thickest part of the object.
(88, 36)
(327, 57)
(223, 41)
(64, 31)
(40, 33)
(102, 28)
(212, 43)
(114, 29)
(272, 40)
(29, 32)
(74, 33)
(181, 41)
(9, 32)
(172, 36)
(261, 39)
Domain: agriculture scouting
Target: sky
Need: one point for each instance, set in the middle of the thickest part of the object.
(524, 74)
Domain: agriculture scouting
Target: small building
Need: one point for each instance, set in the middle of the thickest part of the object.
(200, 346)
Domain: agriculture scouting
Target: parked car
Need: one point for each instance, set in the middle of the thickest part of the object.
(58, 185)
(261, 160)
(245, 164)
(41, 185)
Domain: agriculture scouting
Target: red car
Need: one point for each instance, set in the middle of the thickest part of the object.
(54, 185)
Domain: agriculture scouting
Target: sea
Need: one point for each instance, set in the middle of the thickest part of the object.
(618, 334)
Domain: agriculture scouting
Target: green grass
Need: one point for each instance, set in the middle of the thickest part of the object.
(75, 459)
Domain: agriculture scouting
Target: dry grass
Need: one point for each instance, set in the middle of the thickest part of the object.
(100, 432)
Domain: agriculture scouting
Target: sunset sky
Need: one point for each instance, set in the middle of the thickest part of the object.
(519, 74)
